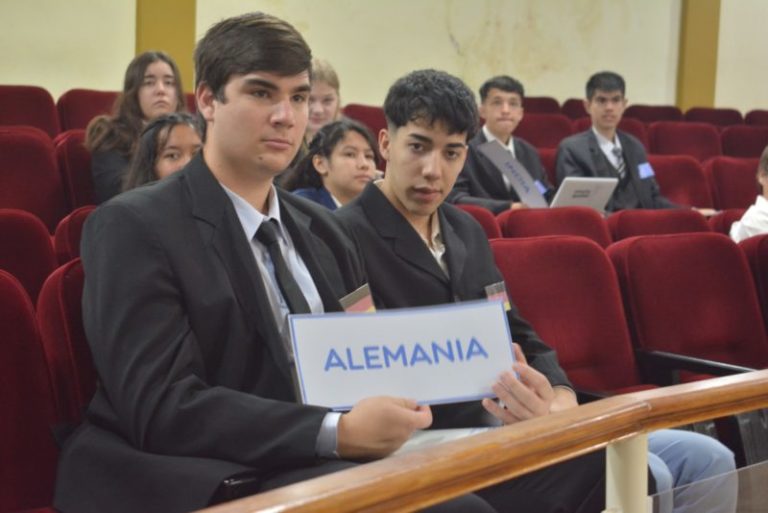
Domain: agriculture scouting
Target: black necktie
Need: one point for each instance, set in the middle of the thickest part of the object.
(267, 235)
(621, 167)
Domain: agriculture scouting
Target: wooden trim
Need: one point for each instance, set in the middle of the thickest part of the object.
(432, 475)
(699, 41)
(169, 26)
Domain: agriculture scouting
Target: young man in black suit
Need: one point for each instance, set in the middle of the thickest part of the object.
(481, 182)
(420, 251)
(605, 151)
(188, 284)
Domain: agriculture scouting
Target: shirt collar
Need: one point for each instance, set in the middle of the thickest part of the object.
(606, 143)
(490, 137)
(250, 218)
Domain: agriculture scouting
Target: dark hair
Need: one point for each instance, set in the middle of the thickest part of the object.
(304, 174)
(503, 83)
(151, 143)
(120, 131)
(607, 81)
(246, 44)
(432, 96)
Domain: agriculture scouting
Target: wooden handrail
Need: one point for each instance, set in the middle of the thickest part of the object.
(421, 478)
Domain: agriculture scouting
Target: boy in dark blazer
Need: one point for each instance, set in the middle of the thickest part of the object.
(188, 284)
(482, 183)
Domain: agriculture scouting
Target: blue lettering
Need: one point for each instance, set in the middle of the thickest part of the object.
(399, 354)
(446, 351)
(352, 365)
(419, 355)
(476, 349)
(371, 354)
(459, 350)
(334, 360)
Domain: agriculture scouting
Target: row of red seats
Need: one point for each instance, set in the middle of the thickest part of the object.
(686, 294)
(699, 140)
(34, 106)
(588, 223)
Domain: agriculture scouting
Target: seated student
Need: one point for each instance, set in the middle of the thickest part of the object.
(605, 151)
(480, 182)
(152, 87)
(755, 219)
(166, 145)
(419, 251)
(324, 98)
(340, 162)
(188, 287)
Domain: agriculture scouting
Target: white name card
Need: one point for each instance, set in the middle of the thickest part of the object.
(440, 354)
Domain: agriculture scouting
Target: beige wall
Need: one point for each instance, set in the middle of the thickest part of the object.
(742, 63)
(61, 45)
(551, 45)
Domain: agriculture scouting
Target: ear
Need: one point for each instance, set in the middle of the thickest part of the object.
(384, 143)
(321, 165)
(205, 101)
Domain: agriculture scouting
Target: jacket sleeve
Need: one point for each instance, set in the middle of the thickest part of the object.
(468, 190)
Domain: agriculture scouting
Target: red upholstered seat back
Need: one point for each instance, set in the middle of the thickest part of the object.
(566, 288)
(651, 113)
(549, 161)
(66, 240)
(77, 107)
(756, 251)
(60, 317)
(29, 179)
(30, 106)
(756, 117)
(370, 115)
(534, 222)
(681, 179)
(744, 141)
(28, 452)
(629, 223)
(574, 108)
(691, 294)
(486, 219)
(75, 167)
(714, 116)
(733, 181)
(699, 140)
(722, 221)
(26, 251)
(544, 130)
(541, 105)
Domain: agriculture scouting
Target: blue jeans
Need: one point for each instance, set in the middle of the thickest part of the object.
(694, 473)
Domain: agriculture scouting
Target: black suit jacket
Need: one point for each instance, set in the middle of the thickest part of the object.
(403, 273)
(480, 182)
(195, 383)
(580, 155)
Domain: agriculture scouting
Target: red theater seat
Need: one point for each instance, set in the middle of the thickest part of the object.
(535, 222)
(75, 167)
(549, 161)
(60, 317)
(66, 240)
(77, 107)
(652, 113)
(574, 108)
(544, 130)
(541, 105)
(756, 117)
(744, 141)
(629, 223)
(486, 219)
(28, 452)
(30, 106)
(722, 221)
(715, 116)
(584, 319)
(191, 102)
(369, 115)
(699, 140)
(733, 181)
(756, 251)
(682, 180)
(25, 249)
(29, 179)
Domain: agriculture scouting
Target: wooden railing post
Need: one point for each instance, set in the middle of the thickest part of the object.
(626, 480)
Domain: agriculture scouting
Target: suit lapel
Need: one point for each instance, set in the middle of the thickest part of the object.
(455, 252)
(394, 228)
(601, 165)
(221, 229)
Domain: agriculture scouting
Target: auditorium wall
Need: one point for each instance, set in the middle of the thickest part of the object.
(61, 45)
(551, 45)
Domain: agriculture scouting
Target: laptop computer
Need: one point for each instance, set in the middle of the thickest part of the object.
(585, 192)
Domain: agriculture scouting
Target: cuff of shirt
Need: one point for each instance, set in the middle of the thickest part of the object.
(327, 439)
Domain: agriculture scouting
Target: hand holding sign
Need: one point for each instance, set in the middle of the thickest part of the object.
(377, 426)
